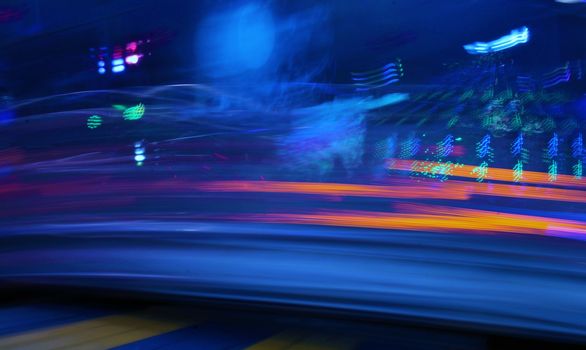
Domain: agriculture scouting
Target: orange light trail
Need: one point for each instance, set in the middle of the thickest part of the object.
(454, 190)
(499, 174)
(432, 219)
(526, 192)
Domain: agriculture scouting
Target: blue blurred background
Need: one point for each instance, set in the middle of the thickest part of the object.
(281, 174)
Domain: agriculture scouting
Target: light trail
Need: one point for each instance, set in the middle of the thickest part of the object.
(452, 190)
(432, 219)
(499, 174)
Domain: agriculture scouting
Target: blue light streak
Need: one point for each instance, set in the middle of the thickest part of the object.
(577, 147)
(552, 146)
(517, 36)
(557, 76)
(377, 78)
(446, 146)
(517, 145)
(483, 147)
(387, 69)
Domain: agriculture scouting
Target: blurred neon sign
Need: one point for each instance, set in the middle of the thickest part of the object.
(377, 78)
(577, 169)
(516, 37)
(134, 113)
(481, 171)
(552, 171)
(518, 171)
(139, 153)
(94, 121)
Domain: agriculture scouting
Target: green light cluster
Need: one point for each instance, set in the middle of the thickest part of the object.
(400, 66)
(481, 171)
(410, 147)
(466, 95)
(518, 171)
(434, 170)
(94, 121)
(488, 95)
(134, 113)
(552, 171)
(453, 121)
(577, 170)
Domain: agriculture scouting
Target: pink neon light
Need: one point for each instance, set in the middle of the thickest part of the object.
(131, 46)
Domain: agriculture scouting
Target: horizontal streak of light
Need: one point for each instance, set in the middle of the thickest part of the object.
(499, 218)
(374, 71)
(377, 86)
(526, 192)
(432, 219)
(499, 174)
(335, 189)
(407, 189)
(375, 76)
(456, 190)
(375, 80)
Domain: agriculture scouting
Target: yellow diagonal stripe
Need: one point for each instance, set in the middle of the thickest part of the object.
(320, 342)
(101, 333)
(278, 342)
(291, 340)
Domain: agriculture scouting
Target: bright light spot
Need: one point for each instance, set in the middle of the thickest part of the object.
(102, 70)
(236, 41)
(101, 63)
(118, 69)
(139, 157)
(117, 62)
(132, 59)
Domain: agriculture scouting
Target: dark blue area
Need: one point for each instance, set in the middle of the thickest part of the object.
(19, 319)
